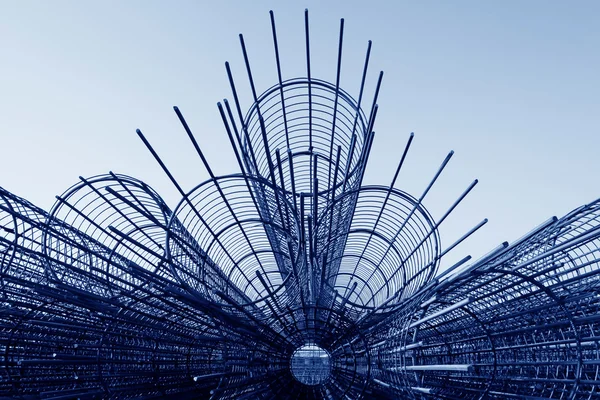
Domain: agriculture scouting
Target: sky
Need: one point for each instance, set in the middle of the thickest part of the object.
(512, 87)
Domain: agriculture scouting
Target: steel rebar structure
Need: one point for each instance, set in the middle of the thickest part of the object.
(289, 280)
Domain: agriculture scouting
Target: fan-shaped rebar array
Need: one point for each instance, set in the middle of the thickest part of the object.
(289, 280)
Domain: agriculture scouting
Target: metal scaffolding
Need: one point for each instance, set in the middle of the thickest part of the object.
(290, 279)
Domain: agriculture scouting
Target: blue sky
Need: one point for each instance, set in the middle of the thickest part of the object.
(512, 87)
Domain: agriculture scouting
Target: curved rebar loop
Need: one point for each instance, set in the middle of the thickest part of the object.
(291, 137)
(224, 252)
(21, 227)
(379, 261)
(101, 226)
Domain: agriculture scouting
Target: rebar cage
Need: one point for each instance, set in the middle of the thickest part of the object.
(289, 279)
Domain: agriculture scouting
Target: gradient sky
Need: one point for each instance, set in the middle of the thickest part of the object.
(512, 87)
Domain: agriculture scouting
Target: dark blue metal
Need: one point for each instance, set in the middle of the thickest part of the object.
(291, 279)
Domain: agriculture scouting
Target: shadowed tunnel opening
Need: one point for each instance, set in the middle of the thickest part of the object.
(310, 364)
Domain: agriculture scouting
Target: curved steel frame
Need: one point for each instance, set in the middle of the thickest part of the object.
(112, 294)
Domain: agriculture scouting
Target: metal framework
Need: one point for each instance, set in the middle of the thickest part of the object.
(289, 280)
